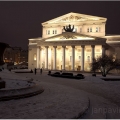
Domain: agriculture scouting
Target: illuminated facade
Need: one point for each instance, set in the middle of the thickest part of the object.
(61, 50)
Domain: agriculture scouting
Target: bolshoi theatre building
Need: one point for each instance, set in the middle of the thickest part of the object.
(70, 42)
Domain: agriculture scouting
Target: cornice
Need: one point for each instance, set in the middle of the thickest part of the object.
(74, 43)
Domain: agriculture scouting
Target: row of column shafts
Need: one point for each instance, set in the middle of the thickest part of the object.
(63, 62)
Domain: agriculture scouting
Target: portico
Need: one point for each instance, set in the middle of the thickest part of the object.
(68, 54)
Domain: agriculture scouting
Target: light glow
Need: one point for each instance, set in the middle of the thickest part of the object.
(35, 57)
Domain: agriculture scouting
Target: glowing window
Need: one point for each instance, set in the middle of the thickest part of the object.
(88, 58)
(35, 57)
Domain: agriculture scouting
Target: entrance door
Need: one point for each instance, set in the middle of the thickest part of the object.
(69, 67)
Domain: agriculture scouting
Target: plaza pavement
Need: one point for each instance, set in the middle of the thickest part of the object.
(67, 98)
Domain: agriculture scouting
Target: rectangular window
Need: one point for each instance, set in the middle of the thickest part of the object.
(55, 31)
(90, 29)
(96, 29)
(48, 32)
(88, 58)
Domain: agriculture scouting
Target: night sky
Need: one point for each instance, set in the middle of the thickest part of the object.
(21, 20)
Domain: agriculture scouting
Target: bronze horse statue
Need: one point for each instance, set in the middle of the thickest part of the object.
(68, 28)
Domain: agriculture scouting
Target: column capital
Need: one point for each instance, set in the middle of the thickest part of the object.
(73, 46)
(55, 46)
(64, 46)
(92, 46)
(39, 47)
(46, 46)
(82, 46)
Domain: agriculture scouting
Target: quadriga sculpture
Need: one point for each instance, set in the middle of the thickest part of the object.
(68, 28)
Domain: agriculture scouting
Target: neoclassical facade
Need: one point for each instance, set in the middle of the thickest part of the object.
(61, 50)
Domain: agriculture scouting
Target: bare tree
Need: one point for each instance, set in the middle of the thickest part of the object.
(104, 64)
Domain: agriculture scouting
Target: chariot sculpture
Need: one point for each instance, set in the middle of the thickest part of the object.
(68, 28)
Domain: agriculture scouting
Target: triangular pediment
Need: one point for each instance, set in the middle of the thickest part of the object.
(74, 17)
(69, 36)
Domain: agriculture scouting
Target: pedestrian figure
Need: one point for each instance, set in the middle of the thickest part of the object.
(41, 70)
(35, 71)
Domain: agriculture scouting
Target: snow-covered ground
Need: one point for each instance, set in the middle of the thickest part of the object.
(64, 98)
(14, 81)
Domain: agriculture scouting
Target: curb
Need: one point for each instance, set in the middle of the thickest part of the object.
(21, 93)
(82, 114)
(6, 98)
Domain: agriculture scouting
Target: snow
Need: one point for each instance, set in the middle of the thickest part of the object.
(14, 81)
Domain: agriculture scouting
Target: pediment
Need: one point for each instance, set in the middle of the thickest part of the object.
(69, 36)
(74, 17)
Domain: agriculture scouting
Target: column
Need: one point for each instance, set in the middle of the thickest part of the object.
(82, 59)
(73, 57)
(38, 56)
(46, 57)
(93, 53)
(40, 62)
(54, 61)
(63, 61)
(103, 50)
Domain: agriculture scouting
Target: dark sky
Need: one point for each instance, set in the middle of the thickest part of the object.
(21, 20)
